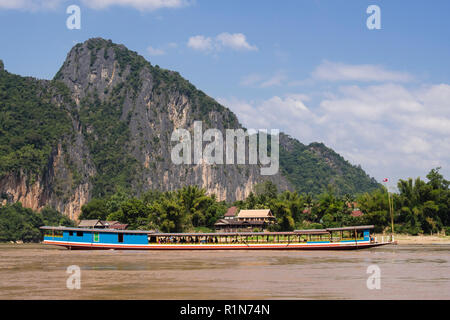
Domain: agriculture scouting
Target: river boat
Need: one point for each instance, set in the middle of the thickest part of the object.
(346, 238)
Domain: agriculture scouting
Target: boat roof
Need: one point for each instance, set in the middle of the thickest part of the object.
(219, 234)
(352, 228)
(327, 230)
(60, 228)
(215, 234)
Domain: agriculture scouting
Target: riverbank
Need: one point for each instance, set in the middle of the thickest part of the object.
(421, 239)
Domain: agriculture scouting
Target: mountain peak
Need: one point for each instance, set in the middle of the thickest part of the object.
(99, 41)
(99, 65)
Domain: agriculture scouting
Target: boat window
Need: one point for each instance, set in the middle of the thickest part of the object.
(96, 237)
(58, 234)
(120, 237)
(53, 233)
(348, 235)
(79, 233)
(70, 233)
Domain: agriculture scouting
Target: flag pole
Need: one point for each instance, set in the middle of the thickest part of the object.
(391, 207)
(392, 218)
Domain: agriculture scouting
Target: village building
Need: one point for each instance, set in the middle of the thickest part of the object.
(231, 213)
(264, 215)
(356, 212)
(93, 223)
(246, 220)
(115, 225)
(101, 224)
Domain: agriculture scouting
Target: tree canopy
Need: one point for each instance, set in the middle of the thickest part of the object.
(420, 207)
(22, 224)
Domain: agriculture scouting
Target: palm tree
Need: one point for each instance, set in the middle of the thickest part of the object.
(309, 201)
(195, 202)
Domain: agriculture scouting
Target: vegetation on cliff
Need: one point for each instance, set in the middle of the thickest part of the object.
(108, 140)
(31, 123)
(22, 224)
(312, 168)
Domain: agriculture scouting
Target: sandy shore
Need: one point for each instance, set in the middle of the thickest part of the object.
(422, 239)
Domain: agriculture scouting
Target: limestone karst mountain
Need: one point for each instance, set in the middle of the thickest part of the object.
(104, 124)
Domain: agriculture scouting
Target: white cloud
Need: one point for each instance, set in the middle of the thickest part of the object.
(30, 5)
(415, 145)
(200, 43)
(438, 96)
(143, 5)
(392, 124)
(276, 80)
(162, 49)
(236, 42)
(155, 51)
(372, 102)
(274, 113)
(335, 71)
(390, 130)
(257, 80)
(251, 80)
(331, 71)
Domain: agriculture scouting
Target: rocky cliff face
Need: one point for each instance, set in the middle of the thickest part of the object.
(119, 115)
(42, 168)
(152, 103)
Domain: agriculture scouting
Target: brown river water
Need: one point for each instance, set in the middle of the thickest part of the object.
(35, 271)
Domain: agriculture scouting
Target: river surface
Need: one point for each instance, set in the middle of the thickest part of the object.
(35, 271)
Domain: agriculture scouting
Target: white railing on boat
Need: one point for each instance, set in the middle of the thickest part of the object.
(384, 239)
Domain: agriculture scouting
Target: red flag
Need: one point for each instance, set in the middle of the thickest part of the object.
(385, 180)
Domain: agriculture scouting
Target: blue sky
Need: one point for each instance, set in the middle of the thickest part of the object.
(313, 69)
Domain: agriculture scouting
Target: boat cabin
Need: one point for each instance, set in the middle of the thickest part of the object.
(95, 236)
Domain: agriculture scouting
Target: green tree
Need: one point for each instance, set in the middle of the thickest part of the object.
(134, 213)
(22, 224)
(51, 217)
(283, 215)
(95, 209)
(168, 215)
